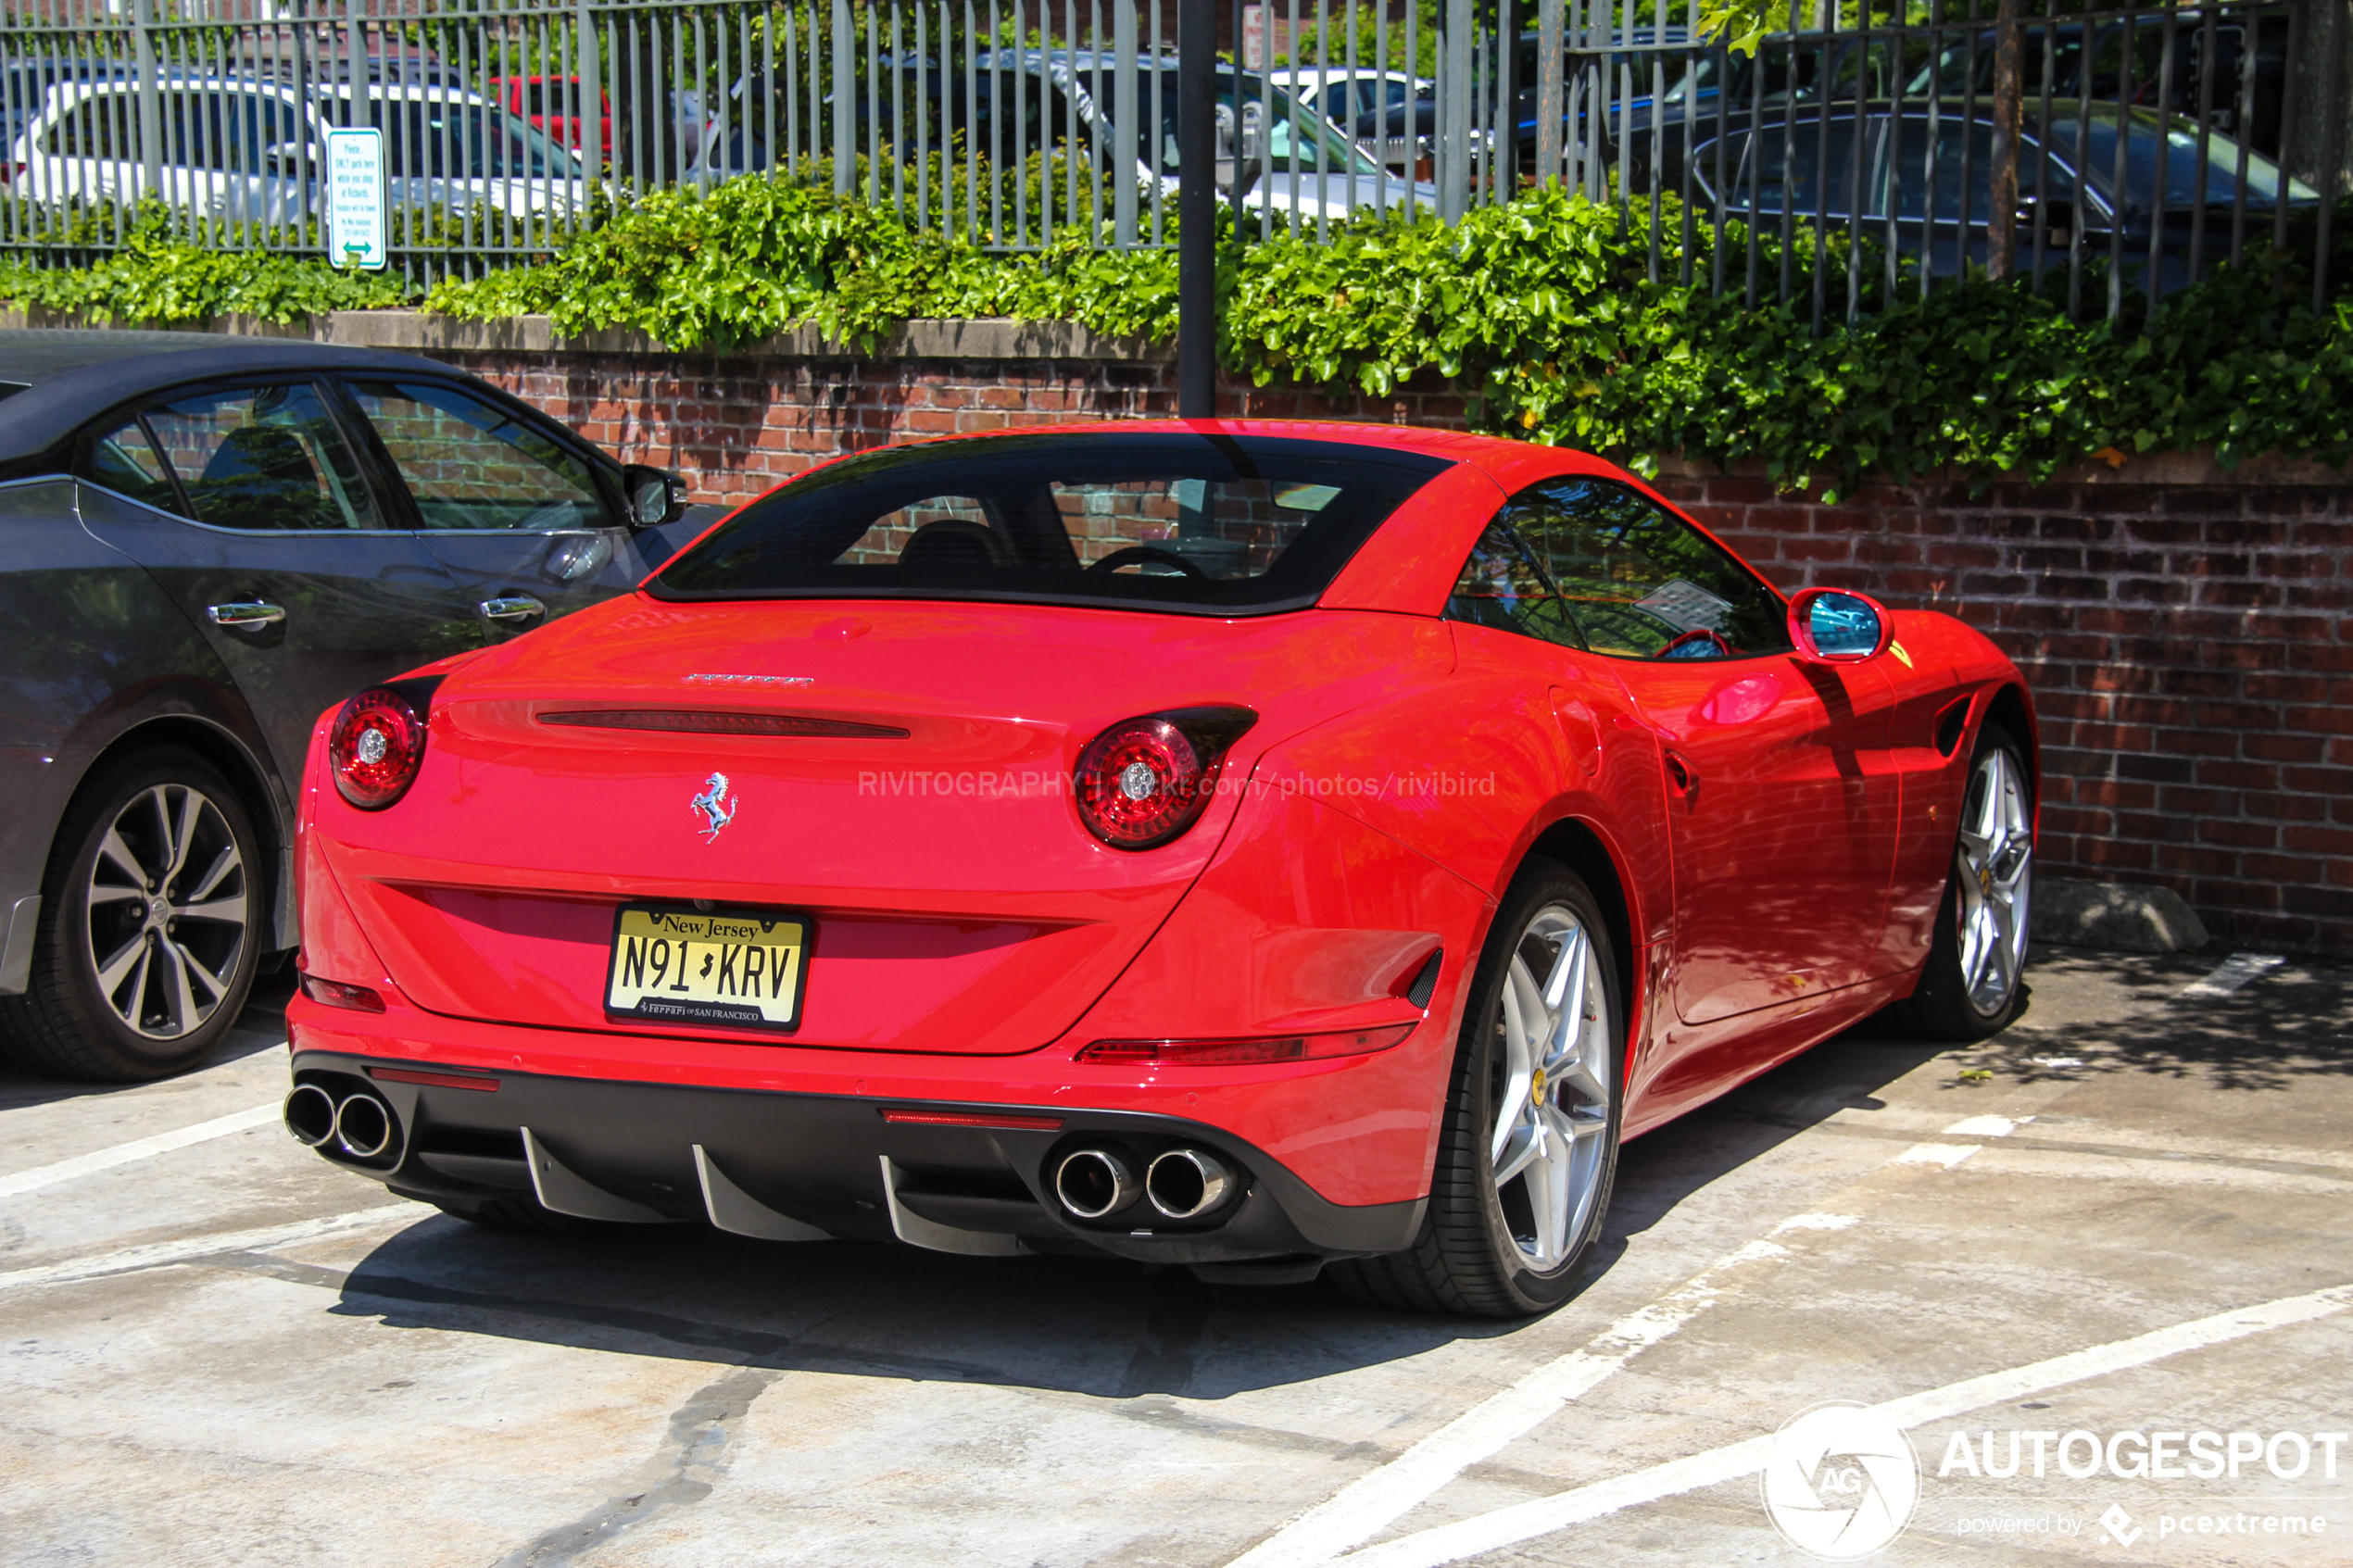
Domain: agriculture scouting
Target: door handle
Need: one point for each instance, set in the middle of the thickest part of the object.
(515, 608)
(245, 616)
(1680, 774)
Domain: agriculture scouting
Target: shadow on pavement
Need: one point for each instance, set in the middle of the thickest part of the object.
(261, 1027)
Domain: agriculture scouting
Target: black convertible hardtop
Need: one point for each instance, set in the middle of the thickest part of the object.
(70, 375)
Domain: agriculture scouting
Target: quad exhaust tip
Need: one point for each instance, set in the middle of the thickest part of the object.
(310, 1114)
(1185, 1184)
(363, 1127)
(1092, 1183)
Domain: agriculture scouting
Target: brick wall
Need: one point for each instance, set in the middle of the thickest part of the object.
(2188, 634)
(2189, 641)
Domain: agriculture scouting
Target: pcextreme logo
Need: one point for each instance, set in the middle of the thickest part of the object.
(1841, 1482)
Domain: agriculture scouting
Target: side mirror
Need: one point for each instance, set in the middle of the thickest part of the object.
(1832, 626)
(655, 495)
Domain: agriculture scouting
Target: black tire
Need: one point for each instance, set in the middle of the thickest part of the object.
(66, 1023)
(1468, 1258)
(1943, 1006)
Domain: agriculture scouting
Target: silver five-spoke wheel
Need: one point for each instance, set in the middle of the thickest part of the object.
(1973, 980)
(170, 907)
(1994, 879)
(1529, 1147)
(1551, 1097)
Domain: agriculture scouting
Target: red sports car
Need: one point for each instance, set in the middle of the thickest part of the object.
(1250, 846)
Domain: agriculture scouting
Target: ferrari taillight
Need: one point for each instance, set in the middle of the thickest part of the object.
(376, 747)
(1145, 780)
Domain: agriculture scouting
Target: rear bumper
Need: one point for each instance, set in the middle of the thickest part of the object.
(778, 1162)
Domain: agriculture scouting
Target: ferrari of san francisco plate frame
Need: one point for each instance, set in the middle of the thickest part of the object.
(1264, 847)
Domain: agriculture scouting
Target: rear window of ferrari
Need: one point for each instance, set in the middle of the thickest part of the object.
(1163, 520)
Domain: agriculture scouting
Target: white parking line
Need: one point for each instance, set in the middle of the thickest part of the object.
(1359, 1511)
(139, 1148)
(159, 1254)
(2232, 973)
(1523, 1522)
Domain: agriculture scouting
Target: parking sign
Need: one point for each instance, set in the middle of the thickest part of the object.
(356, 199)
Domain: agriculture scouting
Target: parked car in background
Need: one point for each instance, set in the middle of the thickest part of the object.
(250, 150)
(1231, 845)
(203, 541)
(551, 104)
(2067, 180)
(231, 148)
(1284, 157)
(1391, 114)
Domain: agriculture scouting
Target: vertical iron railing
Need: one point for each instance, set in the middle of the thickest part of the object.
(1851, 157)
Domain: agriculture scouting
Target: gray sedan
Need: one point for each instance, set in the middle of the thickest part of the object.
(204, 544)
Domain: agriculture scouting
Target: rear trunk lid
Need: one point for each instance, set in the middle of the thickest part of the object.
(956, 902)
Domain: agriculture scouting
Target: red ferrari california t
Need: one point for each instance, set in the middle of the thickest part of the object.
(1250, 846)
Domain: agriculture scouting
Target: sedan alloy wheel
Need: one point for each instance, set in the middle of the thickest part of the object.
(151, 923)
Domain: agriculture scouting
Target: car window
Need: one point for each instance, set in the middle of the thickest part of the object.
(98, 126)
(1159, 520)
(265, 457)
(471, 465)
(125, 462)
(1590, 563)
(434, 138)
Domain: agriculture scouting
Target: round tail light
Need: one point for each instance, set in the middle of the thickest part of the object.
(375, 747)
(1144, 781)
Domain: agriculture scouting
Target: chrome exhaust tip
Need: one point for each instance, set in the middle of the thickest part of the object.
(1185, 1184)
(363, 1127)
(310, 1111)
(1092, 1183)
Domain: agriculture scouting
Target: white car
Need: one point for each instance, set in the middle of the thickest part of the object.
(248, 150)
(1380, 109)
(1279, 169)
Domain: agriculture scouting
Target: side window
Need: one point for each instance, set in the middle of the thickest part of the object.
(125, 462)
(473, 466)
(267, 458)
(1633, 580)
(92, 128)
(1503, 587)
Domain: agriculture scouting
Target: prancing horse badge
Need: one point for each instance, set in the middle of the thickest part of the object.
(717, 810)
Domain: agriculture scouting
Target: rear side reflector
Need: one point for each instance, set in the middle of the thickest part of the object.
(975, 1119)
(708, 721)
(1241, 1053)
(438, 1080)
(336, 994)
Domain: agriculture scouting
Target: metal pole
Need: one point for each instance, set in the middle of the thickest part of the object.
(142, 44)
(2001, 239)
(1197, 209)
(845, 106)
(1454, 114)
(1125, 106)
(588, 105)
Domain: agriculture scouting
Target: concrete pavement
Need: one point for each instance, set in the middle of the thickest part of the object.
(228, 1352)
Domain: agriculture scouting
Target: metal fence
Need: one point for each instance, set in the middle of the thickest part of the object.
(1867, 149)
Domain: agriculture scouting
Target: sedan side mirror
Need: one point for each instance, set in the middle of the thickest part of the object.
(655, 495)
(1832, 626)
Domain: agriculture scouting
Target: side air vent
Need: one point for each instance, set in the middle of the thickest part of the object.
(1426, 980)
(708, 721)
(1951, 724)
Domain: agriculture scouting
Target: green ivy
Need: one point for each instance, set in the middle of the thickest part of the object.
(159, 276)
(1542, 308)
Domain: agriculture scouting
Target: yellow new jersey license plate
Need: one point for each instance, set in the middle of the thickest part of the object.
(683, 965)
